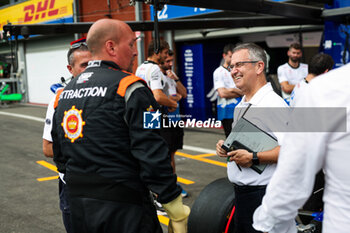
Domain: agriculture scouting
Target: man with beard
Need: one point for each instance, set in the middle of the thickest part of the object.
(292, 72)
(151, 73)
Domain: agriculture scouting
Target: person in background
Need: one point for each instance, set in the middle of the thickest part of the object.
(319, 64)
(111, 161)
(150, 72)
(228, 95)
(78, 57)
(173, 135)
(292, 72)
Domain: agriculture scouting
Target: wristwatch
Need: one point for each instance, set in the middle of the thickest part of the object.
(255, 159)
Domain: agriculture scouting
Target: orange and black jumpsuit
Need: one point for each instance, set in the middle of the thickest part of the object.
(111, 162)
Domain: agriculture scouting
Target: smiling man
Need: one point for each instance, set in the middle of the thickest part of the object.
(248, 71)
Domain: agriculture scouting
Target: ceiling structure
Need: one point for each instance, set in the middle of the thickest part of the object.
(232, 14)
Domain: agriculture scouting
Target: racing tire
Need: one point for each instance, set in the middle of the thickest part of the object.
(212, 211)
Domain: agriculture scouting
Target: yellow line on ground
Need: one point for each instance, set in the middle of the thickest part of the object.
(163, 219)
(184, 181)
(205, 155)
(48, 178)
(47, 165)
(202, 159)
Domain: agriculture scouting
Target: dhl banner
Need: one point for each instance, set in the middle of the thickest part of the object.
(37, 11)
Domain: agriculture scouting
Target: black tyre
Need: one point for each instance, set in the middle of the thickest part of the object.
(212, 209)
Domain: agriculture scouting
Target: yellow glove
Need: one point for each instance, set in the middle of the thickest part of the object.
(178, 214)
(178, 227)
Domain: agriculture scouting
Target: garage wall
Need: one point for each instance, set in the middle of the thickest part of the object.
(46, 61)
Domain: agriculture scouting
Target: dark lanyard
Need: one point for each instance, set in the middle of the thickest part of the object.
(245, 111)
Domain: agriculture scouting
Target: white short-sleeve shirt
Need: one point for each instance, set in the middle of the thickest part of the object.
(292, 75)
(171, 85)
(298, 88)
(48, 121)
(265, 97)
(48, 126)
(222, 78)
(151, 73)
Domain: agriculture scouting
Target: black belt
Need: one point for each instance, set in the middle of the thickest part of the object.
(99, 187)
(248, 188)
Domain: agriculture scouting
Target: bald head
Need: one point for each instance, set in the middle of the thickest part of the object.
(112, 40)
(101, 31)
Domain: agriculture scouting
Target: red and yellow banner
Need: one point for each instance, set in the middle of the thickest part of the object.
(36, 11)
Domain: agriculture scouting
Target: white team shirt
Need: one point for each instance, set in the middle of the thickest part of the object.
(151, 73)
(265, 97)
(171, 84)
(48, 121)
(292, 75)
(222, 78)
(48, 127)
(303, 154)
(296, 90)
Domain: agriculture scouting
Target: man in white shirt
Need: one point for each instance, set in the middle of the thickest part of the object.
(292, 72)
(305, 153)
(228, 95)
(78, 57)
(248, 70)
(319, 64)
(151, 73)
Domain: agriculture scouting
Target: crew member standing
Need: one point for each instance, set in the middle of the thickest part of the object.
(150, 72)
(173, 135)
(248, 70)
(292, 72)
(78, 57)
(111, 161)
(319, 64)
(228, 95)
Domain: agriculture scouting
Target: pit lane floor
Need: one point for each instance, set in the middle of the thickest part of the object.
(29, 187)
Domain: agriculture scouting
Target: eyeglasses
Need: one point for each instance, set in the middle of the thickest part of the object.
(78, 45)
(239, 65)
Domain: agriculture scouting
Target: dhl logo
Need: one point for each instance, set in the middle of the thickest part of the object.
(36, 11)
(40, 10)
